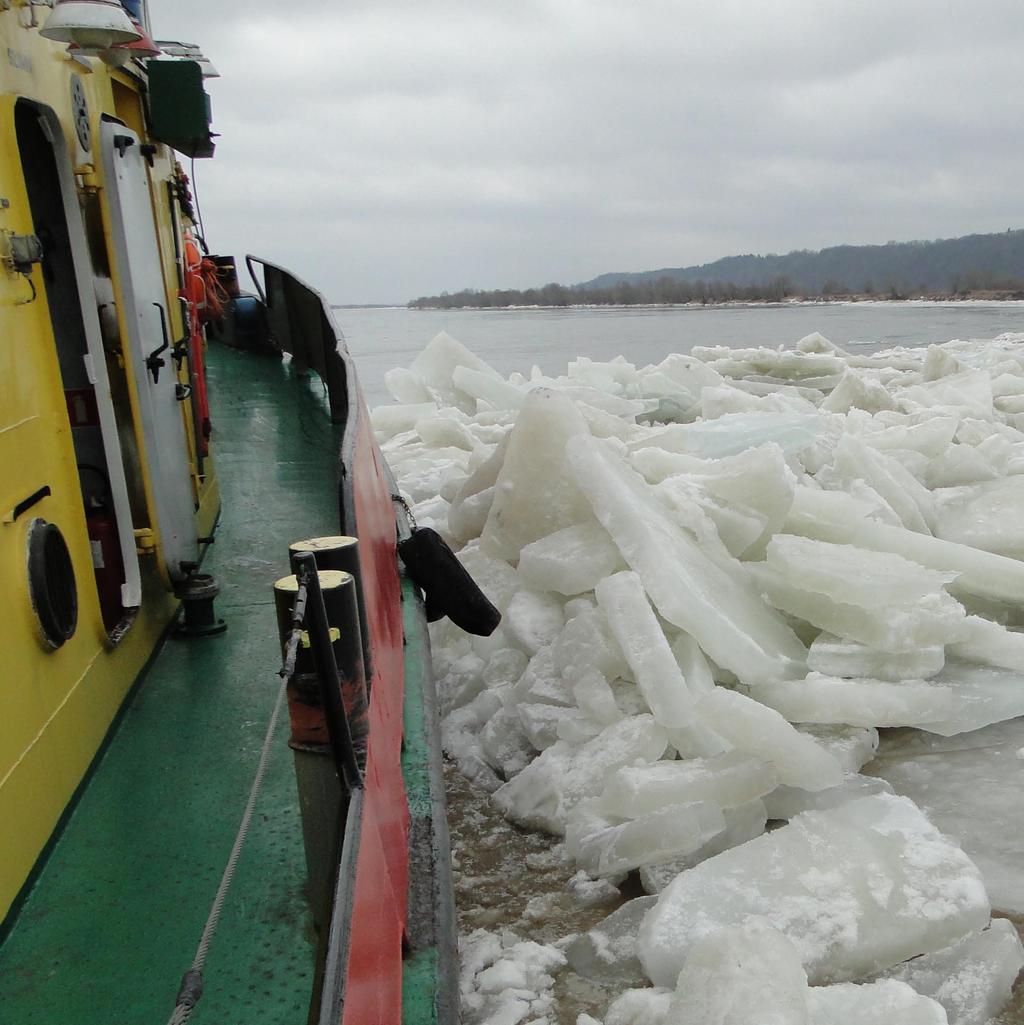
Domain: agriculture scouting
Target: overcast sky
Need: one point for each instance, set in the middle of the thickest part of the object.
(385, 149)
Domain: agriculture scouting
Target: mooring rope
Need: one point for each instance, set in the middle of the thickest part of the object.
(192, 981)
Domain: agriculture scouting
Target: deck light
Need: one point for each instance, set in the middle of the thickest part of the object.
(94, 25)
(142, 48)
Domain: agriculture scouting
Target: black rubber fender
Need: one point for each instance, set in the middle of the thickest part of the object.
(448, 588)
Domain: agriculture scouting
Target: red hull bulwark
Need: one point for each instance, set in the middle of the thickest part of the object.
(373, 992)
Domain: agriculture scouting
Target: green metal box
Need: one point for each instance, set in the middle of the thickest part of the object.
(179, 107)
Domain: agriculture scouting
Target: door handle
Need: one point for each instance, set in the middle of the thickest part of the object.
(122, 143)
(154, 361)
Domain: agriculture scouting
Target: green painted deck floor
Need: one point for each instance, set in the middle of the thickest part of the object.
(115, 915)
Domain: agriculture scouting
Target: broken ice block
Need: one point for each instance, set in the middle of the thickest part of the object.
(503, 667)
(490, 388)
(640, 637)
(876, 1003)
(459, 680)
(577, 727)
(739, 976)
(971, 979)
(855, 576)
(910, 499)
(466, 520)
(852, 746)
(991, 644)
(460, 735)
(534, 619)
(541, 722)
(970, 786)
(495, 577)
(735, 432)
(471, 503)
(969, 392)
(439, 431)
(607, 953)
(958, 465)
(837, 656)
(640, 1007)
(694, 665)
(535, 494)
(856, 390)
(757, 730)
(728, 780)
(504, 981)
(931, 436)
(788, 802)
(934, 619)
(391, 420)
(592, 893)
(505, 744)
(741, 824)
(405, 386)
(436, 364)
(669, 832)
(857, 889)
(740, 529)
(628, 697)
(586, 644)
(829, 699)
(544, 793)
(570, 561)
(758, 480)
(710, 600)
(718, 402)
(542, 682)
(984, 695)
(984, 515)
(595, 698)
(834, 516)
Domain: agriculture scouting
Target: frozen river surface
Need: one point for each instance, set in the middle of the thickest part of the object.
(824, 536)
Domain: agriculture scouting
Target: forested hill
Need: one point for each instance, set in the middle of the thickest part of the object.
(973, 262)
(975, 265)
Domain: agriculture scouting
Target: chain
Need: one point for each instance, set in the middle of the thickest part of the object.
(400, 499)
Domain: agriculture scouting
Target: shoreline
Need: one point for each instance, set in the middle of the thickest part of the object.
(917, 302)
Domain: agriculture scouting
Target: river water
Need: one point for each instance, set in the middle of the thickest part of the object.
(517, 339)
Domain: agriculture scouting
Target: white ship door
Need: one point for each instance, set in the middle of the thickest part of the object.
(140, 278)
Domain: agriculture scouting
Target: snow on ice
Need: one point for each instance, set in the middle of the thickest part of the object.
(719, 577)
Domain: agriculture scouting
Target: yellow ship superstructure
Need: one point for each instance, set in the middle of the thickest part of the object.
(106, 479)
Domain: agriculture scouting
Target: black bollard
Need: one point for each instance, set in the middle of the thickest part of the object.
(341, 553)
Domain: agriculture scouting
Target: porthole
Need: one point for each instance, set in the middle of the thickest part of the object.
(51, 583)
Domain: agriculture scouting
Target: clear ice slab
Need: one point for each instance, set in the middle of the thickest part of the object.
(972, 979)
(970, 786)
(857, 889)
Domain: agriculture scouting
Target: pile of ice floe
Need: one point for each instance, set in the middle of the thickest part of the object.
(719, 576)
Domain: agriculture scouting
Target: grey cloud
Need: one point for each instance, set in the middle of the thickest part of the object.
(390, 149)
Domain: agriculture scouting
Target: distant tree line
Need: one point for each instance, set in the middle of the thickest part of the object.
(622, 293)
(985, 264)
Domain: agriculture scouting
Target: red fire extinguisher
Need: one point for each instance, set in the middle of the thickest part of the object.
(107, 561)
